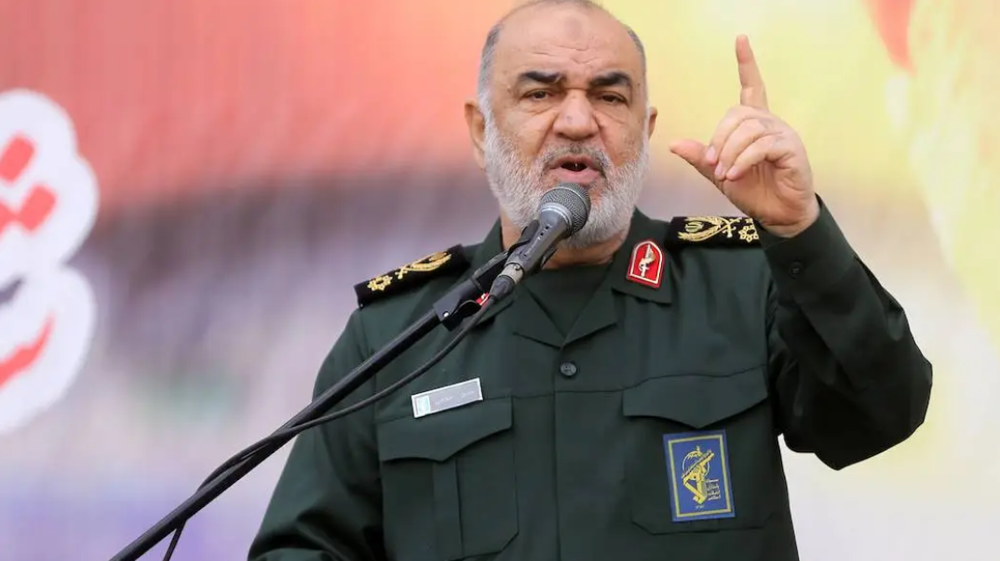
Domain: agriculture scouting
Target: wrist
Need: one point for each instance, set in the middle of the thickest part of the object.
(797, 227)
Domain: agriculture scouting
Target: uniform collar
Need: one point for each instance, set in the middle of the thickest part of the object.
(641, 229)
(491, 245)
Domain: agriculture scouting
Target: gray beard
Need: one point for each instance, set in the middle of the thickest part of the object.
(519, 189)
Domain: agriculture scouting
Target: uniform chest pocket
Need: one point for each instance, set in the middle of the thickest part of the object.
(448, 482)
(703, 453)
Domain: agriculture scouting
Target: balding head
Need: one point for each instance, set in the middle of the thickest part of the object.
(562, 98)
(488, 52)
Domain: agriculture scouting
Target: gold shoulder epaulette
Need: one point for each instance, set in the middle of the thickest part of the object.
(412, 274)
(729, 231)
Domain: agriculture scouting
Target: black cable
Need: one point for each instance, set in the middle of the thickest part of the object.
(249, 451)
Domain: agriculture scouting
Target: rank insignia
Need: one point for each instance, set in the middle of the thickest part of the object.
(730, 231)
(410, 275)
(646, 265)
(699, 476)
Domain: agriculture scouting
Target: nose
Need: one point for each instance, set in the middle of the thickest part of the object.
(576, 118)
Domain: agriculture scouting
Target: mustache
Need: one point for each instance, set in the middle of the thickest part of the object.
(598, 156)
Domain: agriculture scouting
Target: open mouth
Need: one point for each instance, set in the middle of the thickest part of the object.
(577, 164)
(574, 166)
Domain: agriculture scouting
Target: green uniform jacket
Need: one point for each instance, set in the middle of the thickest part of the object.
(648, 431)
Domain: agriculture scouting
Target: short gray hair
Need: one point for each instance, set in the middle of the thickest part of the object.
(493, 37)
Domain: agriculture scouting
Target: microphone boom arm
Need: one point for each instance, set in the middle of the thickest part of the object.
(449, 310)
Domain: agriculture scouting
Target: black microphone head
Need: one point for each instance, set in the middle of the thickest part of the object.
(571, 201)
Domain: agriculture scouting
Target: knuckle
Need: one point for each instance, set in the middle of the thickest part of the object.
(742, 112)
(753, 129)
(762, 126)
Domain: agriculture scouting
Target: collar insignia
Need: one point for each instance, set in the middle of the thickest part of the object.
(646, 265)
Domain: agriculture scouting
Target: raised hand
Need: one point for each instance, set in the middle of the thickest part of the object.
(757, 160)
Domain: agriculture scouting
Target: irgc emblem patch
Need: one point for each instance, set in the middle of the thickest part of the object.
(699, 476)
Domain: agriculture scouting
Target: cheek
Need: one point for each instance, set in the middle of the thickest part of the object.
(624, 149)
(529, 131)
(531, 134)
(622, 139)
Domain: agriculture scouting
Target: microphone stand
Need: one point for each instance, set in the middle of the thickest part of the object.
(458, 304)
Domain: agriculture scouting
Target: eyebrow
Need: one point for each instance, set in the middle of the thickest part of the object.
(539, 77)
(612, 78)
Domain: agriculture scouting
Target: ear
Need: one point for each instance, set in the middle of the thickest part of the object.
(477, 130)
(652, 120)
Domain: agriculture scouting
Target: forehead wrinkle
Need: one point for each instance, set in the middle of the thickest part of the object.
(489, 49)
(530, 41)
(516, 59)
(571, 36)
(594, 52)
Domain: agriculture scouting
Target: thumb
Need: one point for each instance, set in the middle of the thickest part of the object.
(693, 152)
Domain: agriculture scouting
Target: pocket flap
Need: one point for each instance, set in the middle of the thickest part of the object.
(439, 436)
(696, 401)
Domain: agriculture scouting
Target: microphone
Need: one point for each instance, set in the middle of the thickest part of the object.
(563, 211)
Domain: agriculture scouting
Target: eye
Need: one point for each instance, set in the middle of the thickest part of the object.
(612, 98)
(537, 95)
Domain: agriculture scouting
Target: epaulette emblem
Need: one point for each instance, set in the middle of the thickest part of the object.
(733, 231)
(410, 275)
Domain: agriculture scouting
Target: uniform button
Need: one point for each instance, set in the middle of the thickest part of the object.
(567, 369)
(795, 270)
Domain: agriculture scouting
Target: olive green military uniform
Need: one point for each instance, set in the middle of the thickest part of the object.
(619, 420)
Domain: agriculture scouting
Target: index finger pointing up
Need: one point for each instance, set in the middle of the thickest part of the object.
(751, 83)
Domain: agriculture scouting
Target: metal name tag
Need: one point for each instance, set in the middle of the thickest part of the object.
(448, 397)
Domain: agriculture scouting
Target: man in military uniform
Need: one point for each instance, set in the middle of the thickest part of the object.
(626, 402)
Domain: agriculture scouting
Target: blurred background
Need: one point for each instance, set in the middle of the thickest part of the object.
(189, 189)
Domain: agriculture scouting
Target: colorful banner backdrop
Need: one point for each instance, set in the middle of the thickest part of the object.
(189, 188)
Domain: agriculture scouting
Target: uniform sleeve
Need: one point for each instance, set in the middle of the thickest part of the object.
(327, 502)
(849, 378)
